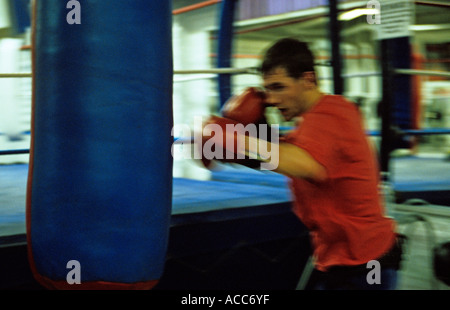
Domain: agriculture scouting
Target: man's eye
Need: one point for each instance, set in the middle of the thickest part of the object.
(276, 87)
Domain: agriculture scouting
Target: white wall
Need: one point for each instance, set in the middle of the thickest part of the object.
(193, 96)
(5, 20)
(15, 100)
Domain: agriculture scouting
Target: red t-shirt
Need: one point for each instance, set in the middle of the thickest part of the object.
(344, 213)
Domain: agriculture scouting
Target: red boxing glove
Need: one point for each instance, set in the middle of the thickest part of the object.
(246, 108)
(216, 137)
(223, 139)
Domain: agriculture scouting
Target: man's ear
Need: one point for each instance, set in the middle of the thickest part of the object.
(310, 78)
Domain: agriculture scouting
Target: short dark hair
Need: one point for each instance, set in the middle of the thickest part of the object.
(291, 54)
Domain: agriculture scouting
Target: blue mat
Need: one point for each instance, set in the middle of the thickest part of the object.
(189, 197)
(244, 175)
(192, 196)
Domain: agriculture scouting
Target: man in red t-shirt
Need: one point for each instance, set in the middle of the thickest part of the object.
(332, 168)
(333, 173)
(341, 207)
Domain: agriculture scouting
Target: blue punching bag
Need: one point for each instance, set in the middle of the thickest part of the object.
(99, 189)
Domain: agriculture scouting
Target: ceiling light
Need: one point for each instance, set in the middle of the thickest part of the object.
(429, 27)
(357, 13)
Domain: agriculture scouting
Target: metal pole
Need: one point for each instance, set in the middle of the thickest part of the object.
(15, 152)
(422, 72)
(16, 75)
(386, 110)
(224, 47)
(334, 32)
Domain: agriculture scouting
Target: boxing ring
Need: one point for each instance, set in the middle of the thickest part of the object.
(234, 231)
(210, 242)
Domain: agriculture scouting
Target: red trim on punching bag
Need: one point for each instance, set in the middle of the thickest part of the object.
(30, 164)
(97, 285)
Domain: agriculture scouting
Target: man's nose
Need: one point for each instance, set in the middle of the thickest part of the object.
(270, 99)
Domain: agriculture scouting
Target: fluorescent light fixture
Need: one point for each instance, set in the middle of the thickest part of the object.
(429, 27)
(357, 13)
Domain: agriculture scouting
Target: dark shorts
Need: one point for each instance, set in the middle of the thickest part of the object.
(362, 277)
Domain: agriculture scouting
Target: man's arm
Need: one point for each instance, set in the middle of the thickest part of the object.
(288, 159)
(298, 163)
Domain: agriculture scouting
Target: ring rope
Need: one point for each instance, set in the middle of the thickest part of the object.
(200, 71)
(254, 70)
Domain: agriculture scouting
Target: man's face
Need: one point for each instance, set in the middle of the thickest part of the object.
(285, 93)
